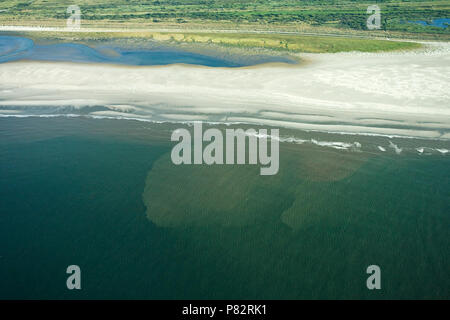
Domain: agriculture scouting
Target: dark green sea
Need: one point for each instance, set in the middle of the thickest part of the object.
(103, 194)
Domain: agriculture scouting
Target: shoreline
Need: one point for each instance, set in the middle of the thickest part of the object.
(338, 141)
(390, 93)
(5, 113)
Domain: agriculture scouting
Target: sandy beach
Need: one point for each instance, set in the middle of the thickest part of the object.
(399, 93)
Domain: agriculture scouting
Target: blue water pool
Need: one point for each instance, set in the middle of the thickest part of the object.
(18, 48)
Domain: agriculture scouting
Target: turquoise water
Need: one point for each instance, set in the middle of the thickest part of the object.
(72, 193)
(19, 48)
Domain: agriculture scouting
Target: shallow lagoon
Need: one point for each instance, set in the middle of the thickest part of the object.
(14, 48)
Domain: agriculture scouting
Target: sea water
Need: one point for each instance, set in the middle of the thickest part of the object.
(89, 192)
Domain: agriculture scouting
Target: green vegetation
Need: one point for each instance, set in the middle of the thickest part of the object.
(329, 16)
(278, 42)
(294, 43)
(310, 26)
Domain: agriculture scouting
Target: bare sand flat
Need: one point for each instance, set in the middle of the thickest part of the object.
(401, 93)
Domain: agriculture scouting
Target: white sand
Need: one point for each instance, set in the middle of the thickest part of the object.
(389, 93)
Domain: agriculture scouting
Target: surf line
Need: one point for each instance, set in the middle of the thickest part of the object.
(235, 140)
